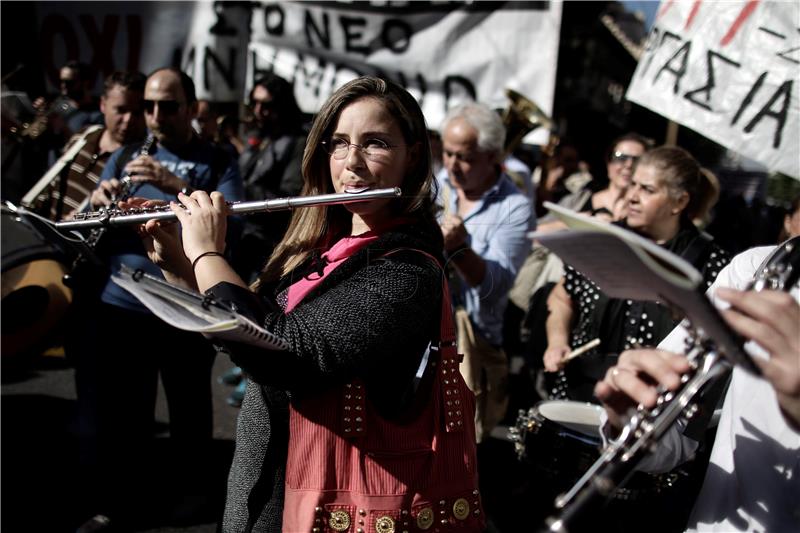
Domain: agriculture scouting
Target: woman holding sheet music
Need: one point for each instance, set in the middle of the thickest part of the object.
(368, 434)
(668, 191)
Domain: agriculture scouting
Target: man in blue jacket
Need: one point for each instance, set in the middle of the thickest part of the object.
(120, 348)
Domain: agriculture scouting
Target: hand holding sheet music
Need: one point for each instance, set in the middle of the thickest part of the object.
(191, 311)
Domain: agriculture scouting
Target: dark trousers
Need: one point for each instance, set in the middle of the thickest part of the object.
(118, 355)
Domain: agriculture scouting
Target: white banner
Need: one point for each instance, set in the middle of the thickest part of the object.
(443, 52)
(728, 70)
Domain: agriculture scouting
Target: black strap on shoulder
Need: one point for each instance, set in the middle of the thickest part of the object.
(127, 152)
(220, 160)
(699, 249)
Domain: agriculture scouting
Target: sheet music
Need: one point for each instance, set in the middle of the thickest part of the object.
(185, 310)
(622, 267)
(612, 264)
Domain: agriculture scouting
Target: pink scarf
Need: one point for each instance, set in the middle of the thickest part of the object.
(335, 256)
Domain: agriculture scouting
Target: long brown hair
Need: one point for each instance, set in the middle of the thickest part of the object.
(315, 227)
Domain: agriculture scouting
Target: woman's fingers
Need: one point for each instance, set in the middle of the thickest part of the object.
(218, 201)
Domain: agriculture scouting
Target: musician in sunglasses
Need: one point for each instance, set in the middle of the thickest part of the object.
(753, 479)
(270, 167)
(353, 427)
(605, 201)
(76, 104)
(122, 348)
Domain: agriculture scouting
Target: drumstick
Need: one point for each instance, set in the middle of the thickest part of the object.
(582, 349)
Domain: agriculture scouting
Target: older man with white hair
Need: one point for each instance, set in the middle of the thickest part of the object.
(484, 224)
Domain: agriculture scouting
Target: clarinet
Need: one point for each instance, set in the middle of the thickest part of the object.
(126, 186)
(709, 362)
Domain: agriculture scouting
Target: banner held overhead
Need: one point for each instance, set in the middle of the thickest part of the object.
(728, 70)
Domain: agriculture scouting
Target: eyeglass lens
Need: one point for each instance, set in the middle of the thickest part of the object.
(620, 157)
(372, 148)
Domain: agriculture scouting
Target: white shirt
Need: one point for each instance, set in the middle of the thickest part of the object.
(753, 478)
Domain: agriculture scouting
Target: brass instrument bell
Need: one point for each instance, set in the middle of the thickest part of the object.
(520, 118)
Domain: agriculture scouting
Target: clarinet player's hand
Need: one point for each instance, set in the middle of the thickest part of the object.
(161, 240)
(634, 380)
(105, 191)
(145, 169)
(771, 319)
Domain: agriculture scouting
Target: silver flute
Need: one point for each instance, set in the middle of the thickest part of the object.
(128, 217)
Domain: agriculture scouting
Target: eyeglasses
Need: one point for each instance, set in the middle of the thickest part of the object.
(622, 158)
(165, 107)
(372, 149)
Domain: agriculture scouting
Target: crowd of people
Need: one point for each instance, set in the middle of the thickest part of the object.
(401, 315)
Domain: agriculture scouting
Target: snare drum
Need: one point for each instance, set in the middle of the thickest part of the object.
(560, 439)
(34, 298)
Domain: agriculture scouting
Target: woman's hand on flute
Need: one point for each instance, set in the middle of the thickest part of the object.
(203, 223)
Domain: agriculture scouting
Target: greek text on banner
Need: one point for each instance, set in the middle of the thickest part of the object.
(728, 70)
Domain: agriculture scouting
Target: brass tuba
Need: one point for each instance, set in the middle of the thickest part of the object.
(520, 118)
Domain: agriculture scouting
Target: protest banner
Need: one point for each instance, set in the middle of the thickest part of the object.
(111, 36)
(442, 52)
(728, 71)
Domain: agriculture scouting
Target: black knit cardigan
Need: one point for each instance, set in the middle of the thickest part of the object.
(371, 318)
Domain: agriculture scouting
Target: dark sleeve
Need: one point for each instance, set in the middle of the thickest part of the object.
(292, 179)
(718, 258)
(572, 282)
(375, 323)
(241, 300)
(246, 303)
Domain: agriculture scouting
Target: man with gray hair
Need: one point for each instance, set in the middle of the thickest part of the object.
(484, 224)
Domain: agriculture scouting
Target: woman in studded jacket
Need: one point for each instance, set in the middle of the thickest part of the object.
(364, 423)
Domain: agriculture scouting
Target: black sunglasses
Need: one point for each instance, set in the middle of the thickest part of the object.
(166, 107)
(621, 157)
